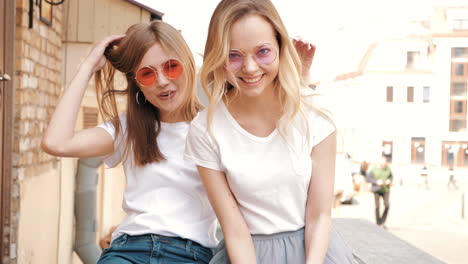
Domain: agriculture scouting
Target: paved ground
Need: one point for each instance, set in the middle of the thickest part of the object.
(430, 219)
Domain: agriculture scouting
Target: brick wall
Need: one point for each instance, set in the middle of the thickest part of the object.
(38, 66)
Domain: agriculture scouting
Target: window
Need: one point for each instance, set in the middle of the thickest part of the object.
(389, 94)
(448, 154)
(459, 52)
(426, 94)
(460, 24)
(418, 150)
(90, 117)
(387, 150)
(455, 154)
(465, 154)
(459, 69)
(457, 125)
(457, 115)
(410, 94)
(458, 108)
(411, 58)
(458, 89)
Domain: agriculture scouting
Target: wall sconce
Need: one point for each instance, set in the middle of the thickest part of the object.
(45, 10)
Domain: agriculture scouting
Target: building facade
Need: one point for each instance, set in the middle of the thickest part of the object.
(407, 100)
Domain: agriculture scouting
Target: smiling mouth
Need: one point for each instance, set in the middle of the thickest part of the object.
(251, 80)
(167, 94)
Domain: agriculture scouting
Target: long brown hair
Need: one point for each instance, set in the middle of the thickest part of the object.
(143, 120)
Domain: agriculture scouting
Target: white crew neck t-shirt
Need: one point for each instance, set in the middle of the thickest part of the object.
(268, 176)
(165, 198)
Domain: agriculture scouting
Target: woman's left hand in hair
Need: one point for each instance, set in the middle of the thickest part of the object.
(306, 52)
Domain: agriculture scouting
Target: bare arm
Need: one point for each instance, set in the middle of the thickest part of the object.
(60, 138)
(320, 200)
(238, 240)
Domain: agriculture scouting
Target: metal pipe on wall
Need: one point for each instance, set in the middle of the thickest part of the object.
(85, 210)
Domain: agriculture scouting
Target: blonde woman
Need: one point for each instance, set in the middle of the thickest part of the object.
(257, 141)
(169, 218)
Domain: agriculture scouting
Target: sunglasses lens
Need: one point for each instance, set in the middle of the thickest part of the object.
(265, 55)
(146, 76)
(172, 69)
(236, 59)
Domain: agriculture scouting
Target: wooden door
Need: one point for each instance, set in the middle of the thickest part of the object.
(7, 27)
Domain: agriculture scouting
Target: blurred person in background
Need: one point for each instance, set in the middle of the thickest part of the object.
(452, 182)
(424, 177)
(381, 177)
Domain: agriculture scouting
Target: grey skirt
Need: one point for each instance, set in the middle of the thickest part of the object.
(289, 248)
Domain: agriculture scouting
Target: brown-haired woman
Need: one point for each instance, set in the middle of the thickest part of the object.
(169, 218)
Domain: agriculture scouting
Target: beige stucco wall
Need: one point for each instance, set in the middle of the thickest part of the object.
(66, 216)
(40, 218)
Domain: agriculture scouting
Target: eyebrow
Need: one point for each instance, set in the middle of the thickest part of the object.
(258, 46)
(155, 66)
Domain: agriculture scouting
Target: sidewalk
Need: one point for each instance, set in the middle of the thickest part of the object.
(429, 219)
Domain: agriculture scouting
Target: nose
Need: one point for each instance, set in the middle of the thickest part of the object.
(250, 65)
(162, 80)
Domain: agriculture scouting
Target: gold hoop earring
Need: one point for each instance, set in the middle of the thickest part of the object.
(136, 97)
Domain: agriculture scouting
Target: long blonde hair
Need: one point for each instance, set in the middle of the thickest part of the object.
(288, 83)
(143, 120)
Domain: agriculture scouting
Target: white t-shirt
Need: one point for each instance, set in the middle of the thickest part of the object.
(268, 176)
(167, 197)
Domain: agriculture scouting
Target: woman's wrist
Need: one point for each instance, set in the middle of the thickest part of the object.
(86, 69)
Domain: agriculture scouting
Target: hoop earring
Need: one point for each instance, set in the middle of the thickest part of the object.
(225, 87)
(136, 97)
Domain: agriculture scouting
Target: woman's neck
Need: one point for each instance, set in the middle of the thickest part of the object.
(172, 117)
(264, 101)
(266, 104)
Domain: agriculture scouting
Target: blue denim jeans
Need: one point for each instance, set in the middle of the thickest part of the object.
(155, 249)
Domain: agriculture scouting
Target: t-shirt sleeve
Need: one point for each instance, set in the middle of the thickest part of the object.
(201, 148)
(320, 128)
(113, 159)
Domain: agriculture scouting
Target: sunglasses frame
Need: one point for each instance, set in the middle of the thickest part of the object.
(244, 56)
(156, 72)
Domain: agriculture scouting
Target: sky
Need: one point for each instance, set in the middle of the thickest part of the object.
(341, 29)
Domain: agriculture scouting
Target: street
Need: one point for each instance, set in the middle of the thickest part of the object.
(430, 219)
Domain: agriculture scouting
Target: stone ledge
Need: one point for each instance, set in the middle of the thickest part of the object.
(373, 245)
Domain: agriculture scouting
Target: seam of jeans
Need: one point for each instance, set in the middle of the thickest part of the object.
(188, 245)
(153, 244)
(119, 241)
(201, 253)
(125, 239)
(139, 240)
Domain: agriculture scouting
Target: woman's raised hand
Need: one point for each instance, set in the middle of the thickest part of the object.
(306, 52)
(95, 59)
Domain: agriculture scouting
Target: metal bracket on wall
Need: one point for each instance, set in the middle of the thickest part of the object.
(5, 77)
